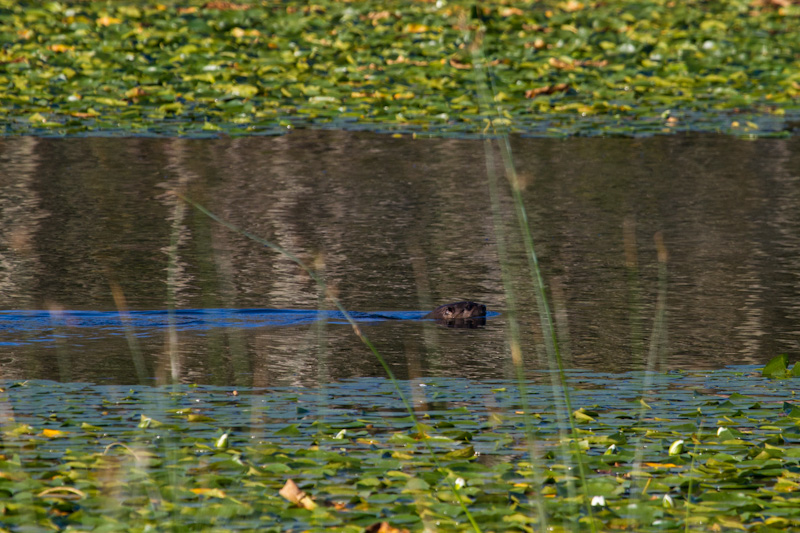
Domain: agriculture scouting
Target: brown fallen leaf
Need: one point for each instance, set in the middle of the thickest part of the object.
(547, 89)
(292, 493)
(377, 16)
(538, 44)
(771, 3)
(509, 11)
(226, 6)
(560, 65)
(461, 66)
(383, 527)
(590, 63)
(572, 5)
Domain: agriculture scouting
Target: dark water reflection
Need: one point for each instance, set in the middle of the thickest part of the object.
(397, 224)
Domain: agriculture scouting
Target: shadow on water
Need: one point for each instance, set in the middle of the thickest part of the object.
(397, 224)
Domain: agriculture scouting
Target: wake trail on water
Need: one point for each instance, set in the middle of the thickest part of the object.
(26, 327)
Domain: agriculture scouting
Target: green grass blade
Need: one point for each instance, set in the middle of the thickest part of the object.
(356, 329)
(560, 386)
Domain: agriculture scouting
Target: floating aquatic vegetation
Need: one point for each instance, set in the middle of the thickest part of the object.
(201, 456)
(257, 68)
(778, 367)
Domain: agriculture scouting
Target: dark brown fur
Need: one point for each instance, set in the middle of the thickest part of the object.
(457, 310)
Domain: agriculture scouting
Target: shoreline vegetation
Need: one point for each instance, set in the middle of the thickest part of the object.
(260, 68)
(190, 458)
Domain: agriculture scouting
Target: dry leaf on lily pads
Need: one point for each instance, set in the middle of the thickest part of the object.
(547, 89)
(292, 492)
(384, 527)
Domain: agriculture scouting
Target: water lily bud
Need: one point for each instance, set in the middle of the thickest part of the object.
(676, 448)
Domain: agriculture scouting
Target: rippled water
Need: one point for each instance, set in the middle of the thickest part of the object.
(394, 225)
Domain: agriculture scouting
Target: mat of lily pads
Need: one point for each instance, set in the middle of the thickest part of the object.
(556, 67)
(709, 451)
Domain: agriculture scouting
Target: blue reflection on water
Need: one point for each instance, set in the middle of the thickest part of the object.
(24, 327)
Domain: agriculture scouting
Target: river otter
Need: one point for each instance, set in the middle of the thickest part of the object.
(457, 310)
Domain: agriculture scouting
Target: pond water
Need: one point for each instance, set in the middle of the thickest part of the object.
(89, 227)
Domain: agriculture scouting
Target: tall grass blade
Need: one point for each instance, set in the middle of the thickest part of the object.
(657, 344)
(687, 514)
(57, 322)
(357, 330)
(172, 274)
(560, 386)
(171, 443)
(130, 334)
(634, 288)
(514, 335)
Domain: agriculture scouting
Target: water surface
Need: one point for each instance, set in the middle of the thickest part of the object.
(394, 225)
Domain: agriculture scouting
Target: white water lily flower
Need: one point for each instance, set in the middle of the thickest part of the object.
(667, 501)
(341, 434)
(598, 501)
(460, 483)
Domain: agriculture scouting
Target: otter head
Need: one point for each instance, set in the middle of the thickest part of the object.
(458, 310)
